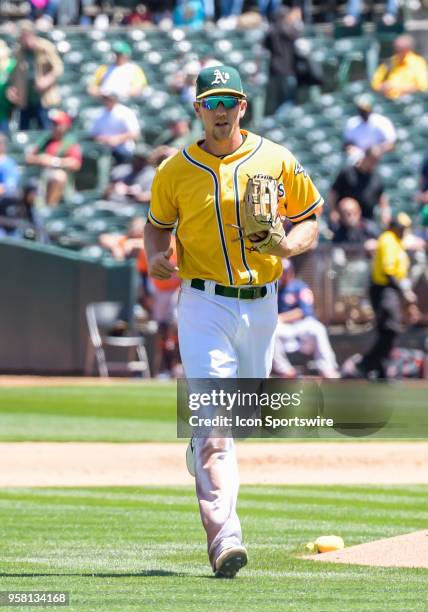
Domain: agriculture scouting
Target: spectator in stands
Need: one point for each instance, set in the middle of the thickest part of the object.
(189, 13)
(404, 73)
(9, 174)
(184, 81)
(138, 17)
(279, 40)
(33, 81)
(354, 9)
(298, 329)
(123, 246)
(363, 183)
(132, 182)
(7, 64)
(130, 246)
(368, 129)
(123, 78)
(59, 155)
(177, 135)
(352, 228)
(390, 290)
(69, 12)
(116, 127)
(9, 190)
(44, 12)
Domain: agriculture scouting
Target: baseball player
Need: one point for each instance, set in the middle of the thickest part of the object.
(226, 196)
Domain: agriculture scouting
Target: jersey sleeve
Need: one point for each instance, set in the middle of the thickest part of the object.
(163, 211)
(301, 199)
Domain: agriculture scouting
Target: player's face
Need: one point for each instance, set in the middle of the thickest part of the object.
(220, 123)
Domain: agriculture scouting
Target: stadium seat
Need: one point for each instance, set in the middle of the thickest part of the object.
(102, 317)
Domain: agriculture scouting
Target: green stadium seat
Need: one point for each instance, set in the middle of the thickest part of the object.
(343, 31)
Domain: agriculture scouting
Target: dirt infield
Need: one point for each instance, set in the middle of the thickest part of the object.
(408, 550)
(26, 464)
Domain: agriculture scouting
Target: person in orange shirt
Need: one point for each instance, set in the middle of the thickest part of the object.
(157, 296)
(404, 73)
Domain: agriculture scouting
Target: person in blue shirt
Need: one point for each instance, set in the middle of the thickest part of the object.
(299, 330)
(9, 172)
(9, 186)
(189, 13)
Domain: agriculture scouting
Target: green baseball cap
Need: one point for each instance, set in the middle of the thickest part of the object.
(121, 47)
(219, 80)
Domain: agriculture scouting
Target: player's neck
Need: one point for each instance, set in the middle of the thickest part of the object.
(224, 147)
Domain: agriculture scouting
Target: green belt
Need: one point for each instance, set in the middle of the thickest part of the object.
(244, 293)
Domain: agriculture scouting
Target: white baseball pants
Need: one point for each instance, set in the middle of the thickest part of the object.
(223, 337)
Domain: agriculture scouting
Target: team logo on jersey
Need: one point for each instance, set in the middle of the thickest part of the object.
(281, 190)
(299, 169)
(220, 77)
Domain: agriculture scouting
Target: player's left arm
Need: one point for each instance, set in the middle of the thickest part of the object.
(300, 203)
(301, 238)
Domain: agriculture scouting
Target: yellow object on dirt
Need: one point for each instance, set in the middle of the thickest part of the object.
(325, 544)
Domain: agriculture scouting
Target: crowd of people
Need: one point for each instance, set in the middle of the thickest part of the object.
(358, 210)
(193, 13)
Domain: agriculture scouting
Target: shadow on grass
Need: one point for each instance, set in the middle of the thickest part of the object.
(143, 573)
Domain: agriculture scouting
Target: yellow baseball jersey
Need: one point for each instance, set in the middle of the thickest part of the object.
(202, 195)
(390, 259)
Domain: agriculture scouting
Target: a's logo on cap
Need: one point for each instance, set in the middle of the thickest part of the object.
(220, 77)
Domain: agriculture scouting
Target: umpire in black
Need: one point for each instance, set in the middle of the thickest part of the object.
(390, 290)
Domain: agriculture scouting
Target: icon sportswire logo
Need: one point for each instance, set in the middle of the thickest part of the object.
(220, 77)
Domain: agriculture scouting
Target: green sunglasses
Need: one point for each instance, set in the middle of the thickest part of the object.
(211, 102)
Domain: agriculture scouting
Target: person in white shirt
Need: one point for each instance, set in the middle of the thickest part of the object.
(116, 127)
(368, 129)
(124, 78)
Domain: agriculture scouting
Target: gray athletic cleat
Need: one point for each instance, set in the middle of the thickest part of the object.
(190, 458)
(230, 561)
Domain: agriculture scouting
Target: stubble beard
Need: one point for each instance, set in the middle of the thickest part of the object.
(223, 133)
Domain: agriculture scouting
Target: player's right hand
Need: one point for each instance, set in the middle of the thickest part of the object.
(160, 266)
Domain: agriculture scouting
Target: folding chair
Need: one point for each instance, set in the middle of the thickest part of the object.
(101, 318)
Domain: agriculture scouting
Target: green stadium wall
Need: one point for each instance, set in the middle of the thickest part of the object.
(45, 291)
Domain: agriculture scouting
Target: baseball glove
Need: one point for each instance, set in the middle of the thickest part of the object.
(261, 222)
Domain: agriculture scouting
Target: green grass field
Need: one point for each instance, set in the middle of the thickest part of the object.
(129, 412)
(143, 549)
